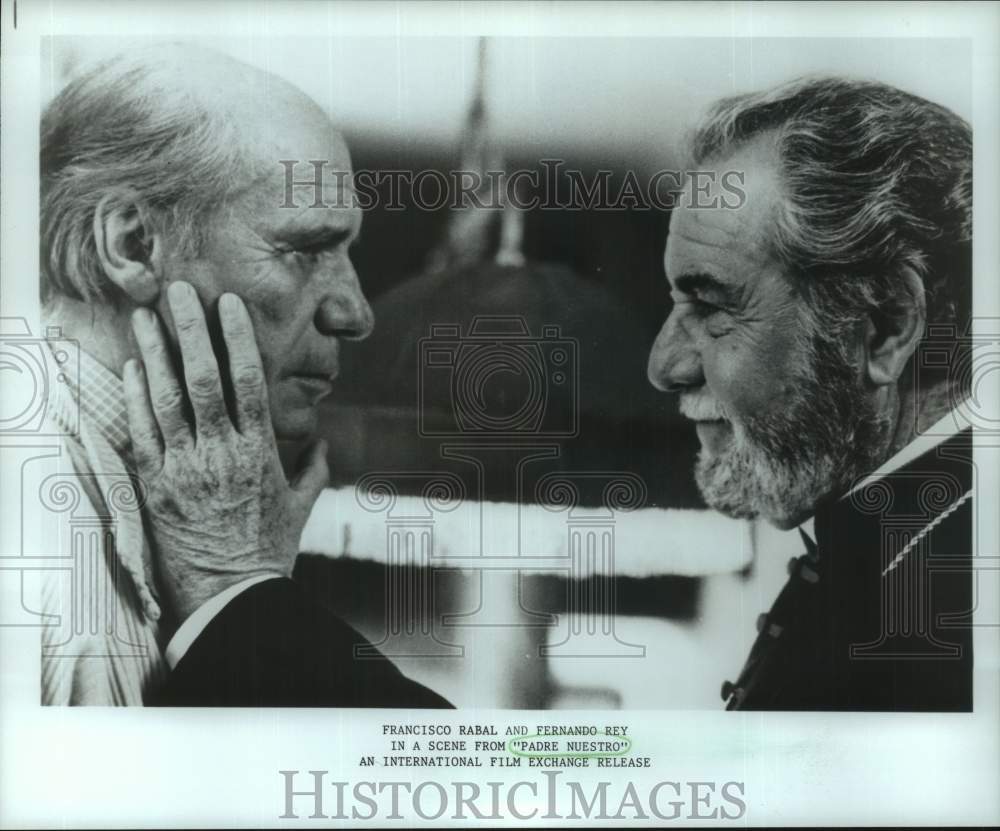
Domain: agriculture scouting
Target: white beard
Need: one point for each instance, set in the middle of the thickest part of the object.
(745, 481)
(781, 465)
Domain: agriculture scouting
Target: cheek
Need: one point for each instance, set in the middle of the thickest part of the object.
(753, 369)
(275, 309)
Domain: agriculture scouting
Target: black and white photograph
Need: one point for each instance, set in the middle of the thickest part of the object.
(412, 395)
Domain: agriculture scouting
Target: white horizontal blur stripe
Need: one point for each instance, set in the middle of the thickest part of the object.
(647, 542)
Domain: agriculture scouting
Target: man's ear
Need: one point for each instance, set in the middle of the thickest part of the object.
(892, 333)
(129, 249)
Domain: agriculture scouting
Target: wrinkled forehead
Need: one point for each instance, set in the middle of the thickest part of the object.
(305, 170)
(304, 141)
(725, 221)
(306, 201)
(719, 242)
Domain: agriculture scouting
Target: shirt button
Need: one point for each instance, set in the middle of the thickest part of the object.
(764, 625)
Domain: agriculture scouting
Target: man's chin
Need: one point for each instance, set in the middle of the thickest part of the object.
(295, 425)
(746, 486)
(722, 487)
(295, 408)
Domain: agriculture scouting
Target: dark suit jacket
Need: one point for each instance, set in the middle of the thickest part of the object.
(841, 636)
(272, 647)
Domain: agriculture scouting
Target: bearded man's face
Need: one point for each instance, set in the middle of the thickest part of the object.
(780, 406)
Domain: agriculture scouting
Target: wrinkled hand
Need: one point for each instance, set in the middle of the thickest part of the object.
(219, 508)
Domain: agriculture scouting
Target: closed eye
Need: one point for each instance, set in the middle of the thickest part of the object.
(705, 307)
(704, 290)
(313, 244)
(317, 248)
(698, 304)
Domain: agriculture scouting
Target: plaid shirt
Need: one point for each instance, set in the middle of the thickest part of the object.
(98, 391)
(118, 658)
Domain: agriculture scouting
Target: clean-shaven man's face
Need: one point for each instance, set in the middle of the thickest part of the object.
(290, 265)
(779, 412)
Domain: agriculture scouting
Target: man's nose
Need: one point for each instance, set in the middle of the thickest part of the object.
(344, 312)
(674, 361)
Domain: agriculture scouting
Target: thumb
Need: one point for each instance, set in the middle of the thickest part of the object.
(313, 474)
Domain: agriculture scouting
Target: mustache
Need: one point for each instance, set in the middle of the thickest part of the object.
(702, 406)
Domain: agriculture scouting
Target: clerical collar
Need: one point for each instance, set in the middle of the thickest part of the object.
(952, 424)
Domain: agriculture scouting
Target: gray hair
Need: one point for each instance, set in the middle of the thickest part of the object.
(876, 181)
(129, 127)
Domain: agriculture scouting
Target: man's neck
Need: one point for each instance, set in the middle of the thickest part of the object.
(914, 414)
(101, 331)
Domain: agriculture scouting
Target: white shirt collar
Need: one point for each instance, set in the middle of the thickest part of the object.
(952, 424)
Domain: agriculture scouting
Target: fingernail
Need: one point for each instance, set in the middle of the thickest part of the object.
(229, 305)
(180, 292)
(142, 318)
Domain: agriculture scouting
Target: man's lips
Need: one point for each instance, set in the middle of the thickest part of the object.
(329, 377)
(710, 423)
(317, 384)
(712, 433)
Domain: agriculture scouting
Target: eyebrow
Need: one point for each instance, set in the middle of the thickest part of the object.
(693, 282)
(318, 235)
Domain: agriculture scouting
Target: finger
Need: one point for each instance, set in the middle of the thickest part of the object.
(201, 370)
(165, 393)
(147, 447)
(313, 474)
(246, 371)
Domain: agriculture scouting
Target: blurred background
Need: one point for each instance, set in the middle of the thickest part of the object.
(645, 603)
